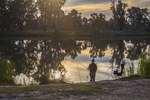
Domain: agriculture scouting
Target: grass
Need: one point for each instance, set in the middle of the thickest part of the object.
(133, 77)
(51, 88)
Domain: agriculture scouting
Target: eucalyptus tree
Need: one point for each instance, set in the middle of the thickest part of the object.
(73, 20)
(113, 8)
(3, 14)
(67, 22)
(138, 18)
(98, 22)
(21, 13)
(45, 10)
(84, 22)
(76, 18)
(119, 12)
(50, 13)
(58, 13)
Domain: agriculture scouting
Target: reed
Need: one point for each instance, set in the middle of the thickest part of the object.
(144, 66)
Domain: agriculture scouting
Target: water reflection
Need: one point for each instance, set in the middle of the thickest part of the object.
(46, 60)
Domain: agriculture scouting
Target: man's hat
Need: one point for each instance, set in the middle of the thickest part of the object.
(93, 60)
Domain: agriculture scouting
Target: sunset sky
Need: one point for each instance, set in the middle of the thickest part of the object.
(86, 7)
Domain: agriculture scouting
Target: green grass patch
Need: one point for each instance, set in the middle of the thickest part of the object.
(87, 87)
(133, 77)
(50, 88)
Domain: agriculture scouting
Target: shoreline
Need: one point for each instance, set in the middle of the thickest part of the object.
(72, 35)
(137, 89)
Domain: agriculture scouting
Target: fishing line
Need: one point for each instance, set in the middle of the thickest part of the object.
(81, 64)
(79, 72)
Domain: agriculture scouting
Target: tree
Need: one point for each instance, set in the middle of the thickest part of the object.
(50, 13)
(19, 18)
(84, 22)
(58, 13)
(72, 21)
(76, 17)
(98, 22)
(3, 14)
(138, 18)
(120, 11)
(45, 8)
(113, 8)
(118, 14)
(7, 70)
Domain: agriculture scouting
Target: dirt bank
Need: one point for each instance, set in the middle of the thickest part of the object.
(112, 90)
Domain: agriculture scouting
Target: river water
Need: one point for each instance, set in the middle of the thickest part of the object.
(68, 59)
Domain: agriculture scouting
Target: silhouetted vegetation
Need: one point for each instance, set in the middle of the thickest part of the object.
(40, 59)
(7, 70)
(46, 15)
(144, 66)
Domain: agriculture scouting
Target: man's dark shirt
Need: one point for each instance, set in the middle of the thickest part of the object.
(93, 67)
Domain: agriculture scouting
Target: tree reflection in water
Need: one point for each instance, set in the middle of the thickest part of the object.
(42, 59)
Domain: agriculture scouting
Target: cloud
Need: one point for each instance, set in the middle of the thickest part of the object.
(138, 3)
(82, 2)
(86, 7)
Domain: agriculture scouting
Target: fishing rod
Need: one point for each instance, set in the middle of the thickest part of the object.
(79, 70)
(81, 64)
(79, 73)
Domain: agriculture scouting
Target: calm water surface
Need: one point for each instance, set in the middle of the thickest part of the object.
(44, 59)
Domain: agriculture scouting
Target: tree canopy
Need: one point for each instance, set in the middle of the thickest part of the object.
(47, 15)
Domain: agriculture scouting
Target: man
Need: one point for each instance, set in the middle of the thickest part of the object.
(122, 65)
(93, 68)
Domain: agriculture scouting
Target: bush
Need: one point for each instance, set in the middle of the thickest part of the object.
(7, 71)
(144, 65)
(131, 70)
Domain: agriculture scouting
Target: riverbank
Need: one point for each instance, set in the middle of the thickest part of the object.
(136, 89)
(71, 34)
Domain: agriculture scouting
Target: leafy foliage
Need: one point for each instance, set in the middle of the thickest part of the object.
(144, 66)
(138, 18)
(47, 15)
(7, 70)
(118, 14)
(131, 70)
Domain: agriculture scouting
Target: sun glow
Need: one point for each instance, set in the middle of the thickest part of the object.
(57, 74)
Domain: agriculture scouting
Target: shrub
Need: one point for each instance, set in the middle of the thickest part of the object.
(144, 66)
(131, 70)
(7, 71)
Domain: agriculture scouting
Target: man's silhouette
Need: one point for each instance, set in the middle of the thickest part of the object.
(122, 65)
(93, 68)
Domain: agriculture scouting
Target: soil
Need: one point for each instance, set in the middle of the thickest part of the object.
(113, 90)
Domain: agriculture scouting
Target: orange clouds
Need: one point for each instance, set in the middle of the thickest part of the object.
(87, 8)
(138, 3)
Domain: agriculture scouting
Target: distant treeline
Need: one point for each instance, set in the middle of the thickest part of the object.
(47, 15)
